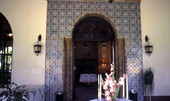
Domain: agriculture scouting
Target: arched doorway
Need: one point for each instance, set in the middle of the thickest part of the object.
(6, 43)
(92, 41)
(93, 47)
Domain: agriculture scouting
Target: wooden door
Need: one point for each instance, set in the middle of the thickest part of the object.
(120, 61)
(68, 70)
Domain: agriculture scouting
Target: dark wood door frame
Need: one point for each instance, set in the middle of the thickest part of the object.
(68, 70)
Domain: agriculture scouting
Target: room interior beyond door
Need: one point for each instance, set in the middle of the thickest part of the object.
(91, 58)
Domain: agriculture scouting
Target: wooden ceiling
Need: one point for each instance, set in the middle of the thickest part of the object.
(101, 0)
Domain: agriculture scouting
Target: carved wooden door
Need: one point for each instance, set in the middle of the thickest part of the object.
(120, 61)
(68, 70)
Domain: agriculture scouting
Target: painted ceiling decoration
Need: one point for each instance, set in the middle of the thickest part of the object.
(101, 0)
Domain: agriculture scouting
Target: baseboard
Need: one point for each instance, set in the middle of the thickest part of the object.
(157, 98)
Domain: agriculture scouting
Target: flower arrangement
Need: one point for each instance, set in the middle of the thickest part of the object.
(111, 86)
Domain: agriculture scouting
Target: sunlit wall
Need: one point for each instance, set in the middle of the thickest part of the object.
(27, 19)
(155, 23)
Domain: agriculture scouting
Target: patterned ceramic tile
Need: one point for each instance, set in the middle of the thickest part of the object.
(62, 15)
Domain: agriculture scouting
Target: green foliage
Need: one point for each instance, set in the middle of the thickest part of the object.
(13, 92)
(148, 81)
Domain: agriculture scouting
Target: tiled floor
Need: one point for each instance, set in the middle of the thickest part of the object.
(86, 92)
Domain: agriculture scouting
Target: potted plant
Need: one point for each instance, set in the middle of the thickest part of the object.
(148, 82)
(13, 92)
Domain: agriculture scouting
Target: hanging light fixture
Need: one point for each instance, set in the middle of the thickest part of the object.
(148, 46)
(38, 46)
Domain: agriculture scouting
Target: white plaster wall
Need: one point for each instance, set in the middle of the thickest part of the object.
(155, 17)
(27, 19)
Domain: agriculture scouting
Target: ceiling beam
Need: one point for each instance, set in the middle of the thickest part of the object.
(100, 0)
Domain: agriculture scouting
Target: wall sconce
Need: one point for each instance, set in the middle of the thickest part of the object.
(102, 66)
(38, 46)
(103, 63)
(148, 46)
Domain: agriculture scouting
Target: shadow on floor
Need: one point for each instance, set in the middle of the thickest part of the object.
(86, 92)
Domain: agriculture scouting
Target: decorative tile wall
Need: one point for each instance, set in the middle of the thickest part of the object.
(61, 16)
